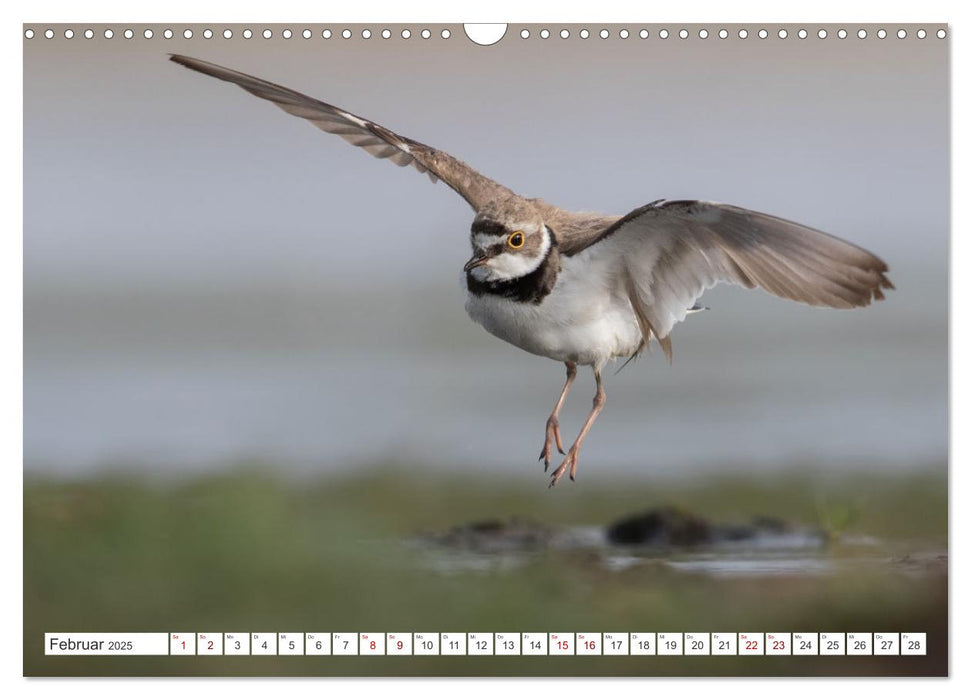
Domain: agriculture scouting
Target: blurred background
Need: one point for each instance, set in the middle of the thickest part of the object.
(215, 290)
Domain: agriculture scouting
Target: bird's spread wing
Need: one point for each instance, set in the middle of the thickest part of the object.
(380, 142)
(668, 253)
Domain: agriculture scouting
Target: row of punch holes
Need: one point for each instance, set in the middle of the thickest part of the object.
(406, 33)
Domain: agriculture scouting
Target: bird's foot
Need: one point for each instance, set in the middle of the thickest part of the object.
(552, 435)
(569, 463)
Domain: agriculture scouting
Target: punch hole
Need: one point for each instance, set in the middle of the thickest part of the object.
(366, 33)
(524, 34)
(148, 33)
(763, 34)
(921, 34)
(129, 34)
(227, 34)
(247, 33)
(385, 33)
(29, 34)
(861, 33)
(783, 33)
(604, 33)
(802, 34)
(663, 33)
(68, 33)
(486, 34)
(446, 33)
(405, 33)
(644, 33)
(425, 34)
(584, 33)
(207, 34)
(89, 34)
(346, 34)
(703, 34)
(841, 33)
(187, 34)
(683, 34)
(743, 33)
(327, 34)
(624, 34)
(306, 33)
(821, 34)
(168, 34)
(902, 34)
(564, 33)
(941, 34)
(267, 33)
(544, 34)
(882, 34)
(287, 34)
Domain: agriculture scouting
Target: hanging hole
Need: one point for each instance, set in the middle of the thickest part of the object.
(485, 34)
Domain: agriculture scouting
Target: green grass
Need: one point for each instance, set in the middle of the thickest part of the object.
(244, 551)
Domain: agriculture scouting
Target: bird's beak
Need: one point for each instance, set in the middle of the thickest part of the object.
(476, 262)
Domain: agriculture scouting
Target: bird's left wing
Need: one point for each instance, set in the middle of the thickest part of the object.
(668, 253)
(380, 142)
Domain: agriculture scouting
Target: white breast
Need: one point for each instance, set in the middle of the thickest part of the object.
(585, 319)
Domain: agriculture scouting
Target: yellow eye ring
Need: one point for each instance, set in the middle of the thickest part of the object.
(516, 240)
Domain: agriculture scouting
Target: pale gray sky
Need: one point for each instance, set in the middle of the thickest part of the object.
(208, 278)
(134, 165)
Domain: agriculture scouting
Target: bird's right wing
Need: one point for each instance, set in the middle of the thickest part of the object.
(380, 142)
(668, 253)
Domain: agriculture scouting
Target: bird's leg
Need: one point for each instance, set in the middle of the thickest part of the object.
(599, 399)
(553, 422)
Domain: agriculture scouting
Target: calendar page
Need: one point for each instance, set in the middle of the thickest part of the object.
(304, 302)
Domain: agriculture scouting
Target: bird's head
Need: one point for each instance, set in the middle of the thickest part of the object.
(506, 248)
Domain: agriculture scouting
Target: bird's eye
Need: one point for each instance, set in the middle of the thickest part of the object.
(516, 240)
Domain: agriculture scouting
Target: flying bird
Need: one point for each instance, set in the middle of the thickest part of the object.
(587, 288)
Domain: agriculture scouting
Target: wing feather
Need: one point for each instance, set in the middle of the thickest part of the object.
(475, 188)
(669, 253)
